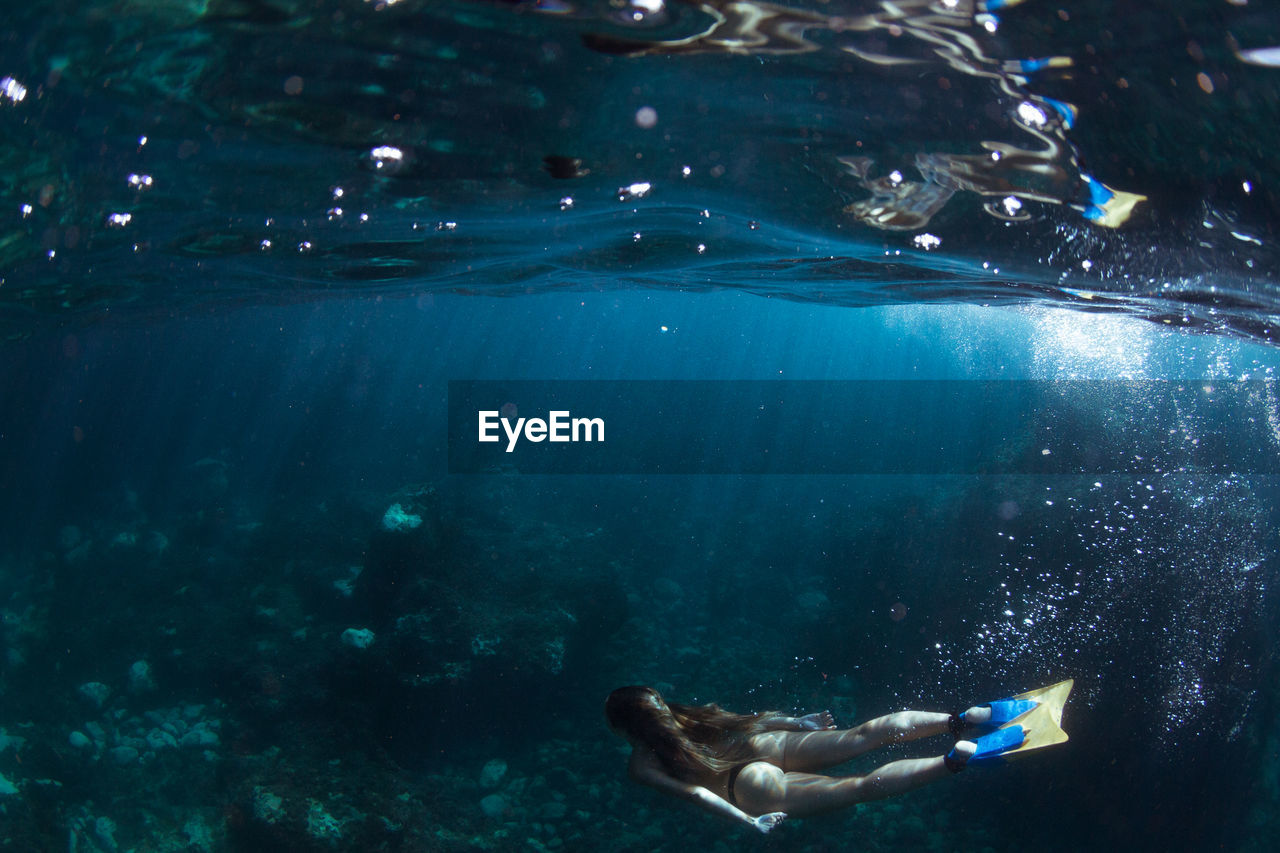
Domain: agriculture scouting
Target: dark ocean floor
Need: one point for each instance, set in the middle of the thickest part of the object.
(424, 669)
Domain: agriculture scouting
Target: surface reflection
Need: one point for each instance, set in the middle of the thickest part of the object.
(917, 34)
(854, 152)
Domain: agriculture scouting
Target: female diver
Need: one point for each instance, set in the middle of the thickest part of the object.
(761, 768)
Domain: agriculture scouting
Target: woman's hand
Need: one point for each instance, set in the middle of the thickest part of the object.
(816, 722)
(766, 822)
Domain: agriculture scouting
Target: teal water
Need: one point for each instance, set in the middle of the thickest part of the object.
(215, 385)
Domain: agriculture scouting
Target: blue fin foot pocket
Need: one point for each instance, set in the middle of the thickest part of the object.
(992, 746)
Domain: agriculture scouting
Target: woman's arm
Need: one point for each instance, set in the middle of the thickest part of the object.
(645, 768)
(815, 722)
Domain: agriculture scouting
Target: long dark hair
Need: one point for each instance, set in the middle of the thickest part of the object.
(689, 740)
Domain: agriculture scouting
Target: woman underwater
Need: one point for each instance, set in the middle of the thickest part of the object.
(761, 768)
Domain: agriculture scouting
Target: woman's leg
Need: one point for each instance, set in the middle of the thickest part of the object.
(763, 787)
(809, 751)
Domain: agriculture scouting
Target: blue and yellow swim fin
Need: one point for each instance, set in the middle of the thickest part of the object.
(1037, 712)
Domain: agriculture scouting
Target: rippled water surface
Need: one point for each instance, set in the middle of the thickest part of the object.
(1109, 157)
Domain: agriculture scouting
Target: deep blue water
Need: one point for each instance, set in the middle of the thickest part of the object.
(215, 384)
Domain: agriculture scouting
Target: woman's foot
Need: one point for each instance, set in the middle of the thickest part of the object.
(958, 758)
(976, 716)
(987, 748)
(997, 713)
(816, 722)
